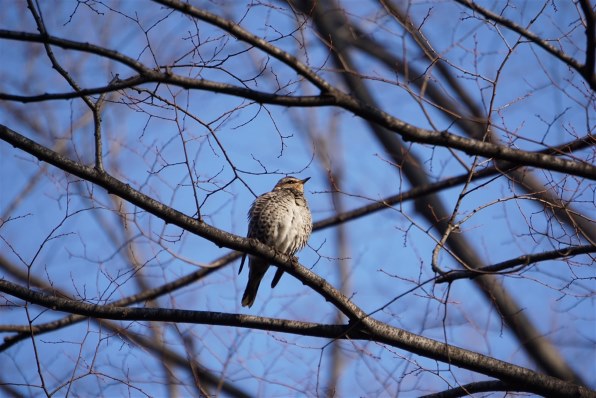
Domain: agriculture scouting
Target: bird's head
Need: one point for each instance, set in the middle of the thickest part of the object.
(291, 182)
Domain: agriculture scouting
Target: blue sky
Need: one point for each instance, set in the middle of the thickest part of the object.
(537, 101)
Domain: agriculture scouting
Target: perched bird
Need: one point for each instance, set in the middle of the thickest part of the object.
(280, 219)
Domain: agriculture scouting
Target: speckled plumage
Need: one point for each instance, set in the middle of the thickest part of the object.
(281, 219)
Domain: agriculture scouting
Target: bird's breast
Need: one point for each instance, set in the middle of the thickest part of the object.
(282, 220)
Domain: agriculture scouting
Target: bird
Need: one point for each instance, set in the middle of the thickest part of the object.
(280, 219)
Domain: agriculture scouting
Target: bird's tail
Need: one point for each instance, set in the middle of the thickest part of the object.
(277, 277)
(257, 268)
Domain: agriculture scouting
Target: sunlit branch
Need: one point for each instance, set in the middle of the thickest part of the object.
(588, 74)
(244, 35)
(476, 387)
(331, 96)
(143, 296)
(73, 45)
(25, 332)
(157, 77)
(172, 216)
(371, 330)
(375, 115)
(516, 264)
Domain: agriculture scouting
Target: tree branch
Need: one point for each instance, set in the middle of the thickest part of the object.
(476, 387)
(522, 261)
(172, 216)
(331, 96)
(366, 330)
(375, 115)
(145, 295)
(590, 37)
(588, 74)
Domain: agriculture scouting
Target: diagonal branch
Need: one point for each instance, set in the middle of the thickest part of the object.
(147, 294)
(326, 17)
(589, 14)
(143, 296)
(518, 262)
(247, 37)
(361, 324)
(588, 74)
(173, 216)
(375, 115)
(331, 96)
(367, 330)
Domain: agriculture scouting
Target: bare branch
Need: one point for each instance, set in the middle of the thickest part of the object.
(517, 263)
(368, 329)
(584, 70)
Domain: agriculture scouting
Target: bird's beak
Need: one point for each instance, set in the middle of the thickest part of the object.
(304, 181)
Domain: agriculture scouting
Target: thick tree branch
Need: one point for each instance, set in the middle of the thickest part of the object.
(382, 332)
(331, 96)
(367, 330)
(589, 14)
(375, 115)
(146, 295)
(254, 66)
(473, 388)
(189, 83)
(172, 216)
